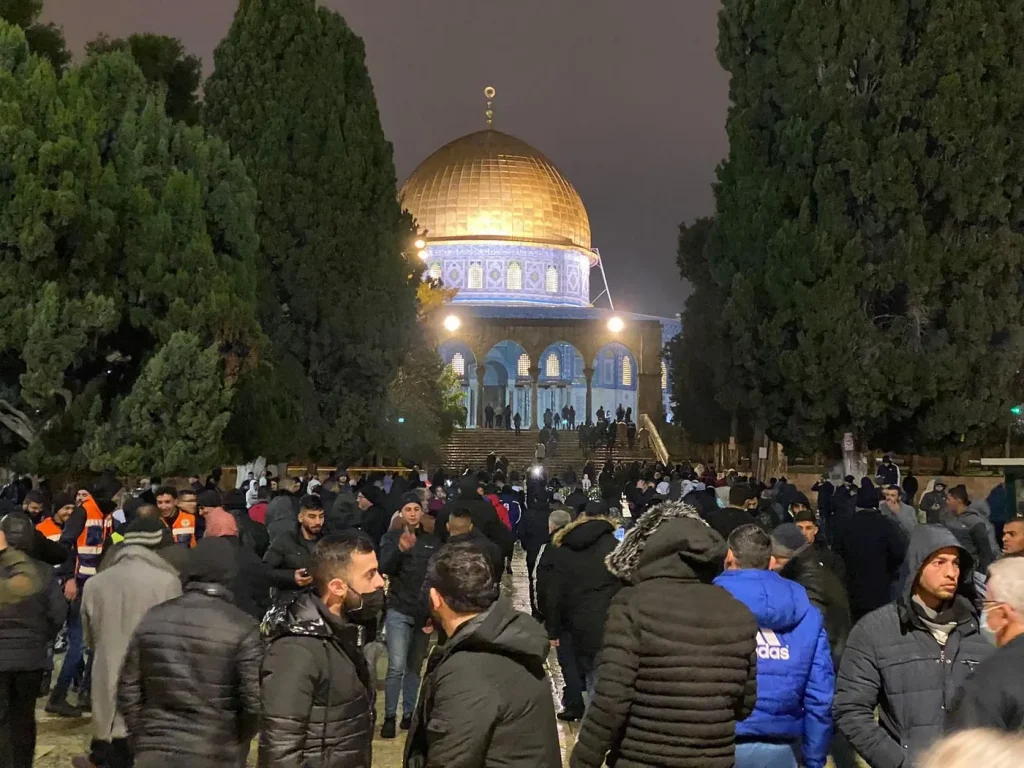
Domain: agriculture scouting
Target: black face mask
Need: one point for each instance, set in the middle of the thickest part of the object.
(364, 608)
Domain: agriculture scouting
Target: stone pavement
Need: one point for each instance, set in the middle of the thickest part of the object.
(59, 739)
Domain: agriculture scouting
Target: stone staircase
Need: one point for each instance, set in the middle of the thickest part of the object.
(469, 447)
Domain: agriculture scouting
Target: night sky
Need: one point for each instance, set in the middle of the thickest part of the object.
(626, 98)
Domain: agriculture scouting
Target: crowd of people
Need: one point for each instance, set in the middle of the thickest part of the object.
(699, 618)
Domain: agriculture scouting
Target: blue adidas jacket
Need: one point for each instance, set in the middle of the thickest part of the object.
(795, 678)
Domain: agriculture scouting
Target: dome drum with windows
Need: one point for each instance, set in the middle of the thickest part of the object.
(501, 223)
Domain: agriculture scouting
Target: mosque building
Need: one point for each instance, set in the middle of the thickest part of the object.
(504, 227)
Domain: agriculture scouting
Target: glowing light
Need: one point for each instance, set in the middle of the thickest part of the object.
(423, 254)
(452, 323)
(615, 325)
(420, 244)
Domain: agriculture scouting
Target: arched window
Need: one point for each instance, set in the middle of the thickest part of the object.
(514, 277)
(524, 365)
(551, 280)
(553, 366)
(627, 372)
(435, 271)
(664, 376)
(475, 282)
(458, 364)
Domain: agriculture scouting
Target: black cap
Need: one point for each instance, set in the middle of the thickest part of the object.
(805, 516)
(208, 499)
(411, 498)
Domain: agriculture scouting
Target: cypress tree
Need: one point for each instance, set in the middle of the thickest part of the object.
(869, 222)
(291, 94)
(127, 272)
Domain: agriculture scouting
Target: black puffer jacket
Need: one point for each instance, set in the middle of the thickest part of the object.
(678, 667)
(27, 626)
(826, 593)
(462, 721)
(317, 692)
(288, 553)
(189, 686)
(578, 586)
(893, 661)
(406, 571)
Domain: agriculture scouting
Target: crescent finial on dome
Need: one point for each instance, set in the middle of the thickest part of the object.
(489, 92)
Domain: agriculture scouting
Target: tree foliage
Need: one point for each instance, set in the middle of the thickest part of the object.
(164, 61)
(46, 40)
(292, 96)
(869, 222)
(698, 356)
(119, 230)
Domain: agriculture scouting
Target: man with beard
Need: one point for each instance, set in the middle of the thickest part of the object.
(486, 699)
(292, 551)
(317, 690)
(1013, 538)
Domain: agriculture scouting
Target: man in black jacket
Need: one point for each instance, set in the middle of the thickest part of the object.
(27, 626)
(404, 555)
(678, 667)
(797, 560)
(807, 522)
(993, 697)
(316, 687)
(485, 518)
(292, 551)
(189, 686)
(580, 587)
(461, 530)
(742, 510)
(873, 546)
(970, 524)
(908, 658)
(486, 699)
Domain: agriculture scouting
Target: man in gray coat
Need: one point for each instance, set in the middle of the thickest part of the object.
(113, 604)
(911, 656)
(893, 505)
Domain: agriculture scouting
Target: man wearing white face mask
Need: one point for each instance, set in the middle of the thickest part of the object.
(994, 696)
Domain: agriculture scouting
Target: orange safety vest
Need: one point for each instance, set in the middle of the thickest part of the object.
(184, 529)
(50, 529)
(90, 542)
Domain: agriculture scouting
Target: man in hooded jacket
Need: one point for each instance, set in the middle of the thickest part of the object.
(189, 688)
(678, 668)
(486, 699)
(579, 588)
(970, 524)
(114, 602)
(910, 657)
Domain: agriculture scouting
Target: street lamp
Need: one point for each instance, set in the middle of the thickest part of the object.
(452, 323)
(615, 325)
(420, 244)
(422, 253)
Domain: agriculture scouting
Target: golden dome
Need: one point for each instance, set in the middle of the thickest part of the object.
(492, 186)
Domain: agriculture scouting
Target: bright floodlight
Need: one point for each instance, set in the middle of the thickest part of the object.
(615, 324)
(420, 244)
(452, 323)
(423, 254)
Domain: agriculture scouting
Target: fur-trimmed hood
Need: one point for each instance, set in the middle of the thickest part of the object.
(581, 534)
(670, 540)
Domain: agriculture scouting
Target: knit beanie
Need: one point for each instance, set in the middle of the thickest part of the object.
(148, 532)
(788, 541)
(220, 523)
(411, 498)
